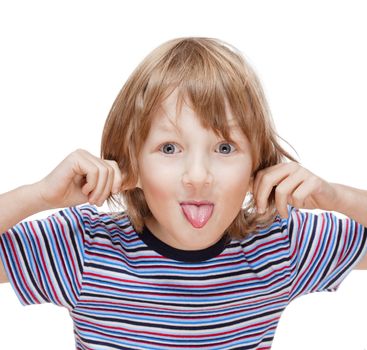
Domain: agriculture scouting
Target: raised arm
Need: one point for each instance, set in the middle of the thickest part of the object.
(15, 206)
(79, 178)
(300, 188)
(18, 204)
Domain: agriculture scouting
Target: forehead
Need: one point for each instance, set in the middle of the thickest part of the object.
(175, 106)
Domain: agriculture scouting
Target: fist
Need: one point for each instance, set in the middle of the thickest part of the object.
(79, 178)
(294, 185)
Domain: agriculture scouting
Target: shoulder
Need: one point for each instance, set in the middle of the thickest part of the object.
(267, 237)
(101, 224)
(90, 214)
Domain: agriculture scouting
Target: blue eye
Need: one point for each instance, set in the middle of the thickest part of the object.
(168, 147)
(226, 148)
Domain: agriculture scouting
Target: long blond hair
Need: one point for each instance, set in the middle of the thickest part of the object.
(211, 73)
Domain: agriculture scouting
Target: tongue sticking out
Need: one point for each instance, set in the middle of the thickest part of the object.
(197, 215)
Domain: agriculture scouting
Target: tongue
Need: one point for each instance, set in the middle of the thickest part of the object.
(197, 215)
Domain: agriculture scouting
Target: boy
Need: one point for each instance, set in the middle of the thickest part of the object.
(192, 263)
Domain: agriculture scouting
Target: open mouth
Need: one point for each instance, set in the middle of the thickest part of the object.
(197, 214)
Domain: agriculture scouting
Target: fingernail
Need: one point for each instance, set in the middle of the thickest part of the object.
(261, 210)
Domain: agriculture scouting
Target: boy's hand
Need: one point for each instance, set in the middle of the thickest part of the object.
(296, 186)
(80, 178)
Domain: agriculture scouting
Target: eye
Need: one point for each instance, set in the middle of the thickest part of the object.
(168, 148)
(226, 147)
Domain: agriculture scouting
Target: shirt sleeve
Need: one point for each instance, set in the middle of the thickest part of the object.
(324, 248)
(44, 259)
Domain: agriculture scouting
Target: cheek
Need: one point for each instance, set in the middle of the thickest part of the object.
(238, 187)
(157, 183)
(236, 183)
(237, 174)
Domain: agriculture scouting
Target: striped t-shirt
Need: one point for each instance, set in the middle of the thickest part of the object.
(129, 291)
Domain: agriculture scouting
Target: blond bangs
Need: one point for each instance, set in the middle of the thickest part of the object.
(213, 79)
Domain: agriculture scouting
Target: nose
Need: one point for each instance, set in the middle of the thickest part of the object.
(197, 171)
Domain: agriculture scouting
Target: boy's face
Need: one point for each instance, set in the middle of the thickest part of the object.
(192, 164)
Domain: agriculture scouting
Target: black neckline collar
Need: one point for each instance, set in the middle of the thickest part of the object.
(192, 256)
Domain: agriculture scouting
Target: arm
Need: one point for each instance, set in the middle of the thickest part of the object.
(15, 206)
(79, 178)
(18, 204)
(300, 188)
(352, 202)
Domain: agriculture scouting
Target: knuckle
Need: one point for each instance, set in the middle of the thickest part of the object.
(294, 165)
(111, 162)
(109, 169)
(103, 170)
(79, 151)
(297, 198)
(74, 154)
(266, 177)
(94, 171)
(280, 190)
(259, 173)
(316, 184)
(118, 183)
(77, 154)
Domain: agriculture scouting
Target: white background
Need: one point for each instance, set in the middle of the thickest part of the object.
(63, 62)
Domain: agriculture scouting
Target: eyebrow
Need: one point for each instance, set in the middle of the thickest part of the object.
(168, 127)
(236, 129)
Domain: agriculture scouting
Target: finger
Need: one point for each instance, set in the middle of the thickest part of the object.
(117, 178)
(267, 182)
(103, 186)
(84, 167)
(102, 169)
(260, 174)
(113, 183)
(109, 181)
(257, 179)
(302, 197)
(98, 176)
(285, 190)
